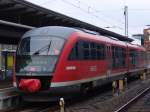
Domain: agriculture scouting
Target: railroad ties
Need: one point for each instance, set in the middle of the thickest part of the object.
(140, 103)
(97, 102)
(111, 103)
(9, 98)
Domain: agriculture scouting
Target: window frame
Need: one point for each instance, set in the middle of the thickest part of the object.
(91, 46)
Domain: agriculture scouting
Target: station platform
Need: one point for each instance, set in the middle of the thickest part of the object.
(6, 84)
(9, 98)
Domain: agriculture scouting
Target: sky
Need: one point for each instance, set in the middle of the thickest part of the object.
(107, 14)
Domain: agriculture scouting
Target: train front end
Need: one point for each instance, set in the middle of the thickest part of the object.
(36, 59)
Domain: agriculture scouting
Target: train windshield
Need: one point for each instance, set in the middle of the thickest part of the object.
(36, 54)
(40, 46)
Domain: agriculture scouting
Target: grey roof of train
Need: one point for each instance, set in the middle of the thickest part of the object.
(60, 31)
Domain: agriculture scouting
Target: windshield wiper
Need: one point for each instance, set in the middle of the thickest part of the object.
(48, 47)
(43, 49)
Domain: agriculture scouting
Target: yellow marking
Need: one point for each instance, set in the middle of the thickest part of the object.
(10, 61)
(121, 85)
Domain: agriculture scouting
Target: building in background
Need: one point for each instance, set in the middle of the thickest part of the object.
(139, 38)
(147, 39)
(147, 43)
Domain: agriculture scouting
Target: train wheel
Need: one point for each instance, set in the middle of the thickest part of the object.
(86, 88)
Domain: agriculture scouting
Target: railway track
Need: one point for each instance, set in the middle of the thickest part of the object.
(54, 106)
(126, 107)
(108, 103)
(91, 102)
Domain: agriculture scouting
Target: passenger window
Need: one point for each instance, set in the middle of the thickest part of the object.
(134, 57)
(74, 53)
(100, 49)
(93, 54)
(85, 50)
(118, 57)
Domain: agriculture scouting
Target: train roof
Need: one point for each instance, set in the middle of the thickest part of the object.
(112, 40)
(134, 46)
(60, 31)
(65, 32)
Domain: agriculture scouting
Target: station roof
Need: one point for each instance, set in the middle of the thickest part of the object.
(22, 15)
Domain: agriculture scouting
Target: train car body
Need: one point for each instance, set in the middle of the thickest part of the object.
(61, 58)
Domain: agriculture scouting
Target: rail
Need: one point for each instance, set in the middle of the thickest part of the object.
(125, 106)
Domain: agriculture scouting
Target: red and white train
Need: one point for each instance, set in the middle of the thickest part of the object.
(55, 59)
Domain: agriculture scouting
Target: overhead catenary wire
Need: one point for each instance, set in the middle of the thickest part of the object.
(86, 11)
(92, 12)
(95, 15)
(104, 15)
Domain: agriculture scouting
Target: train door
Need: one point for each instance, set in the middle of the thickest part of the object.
(7, 64)
(109, 60)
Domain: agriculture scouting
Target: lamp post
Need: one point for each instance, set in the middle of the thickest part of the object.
(126, 20)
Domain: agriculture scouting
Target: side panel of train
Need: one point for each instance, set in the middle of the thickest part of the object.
(88, 58)
(137, 58)
(82, 60)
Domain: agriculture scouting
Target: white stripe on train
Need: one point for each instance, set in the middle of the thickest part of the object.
(69, 83)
